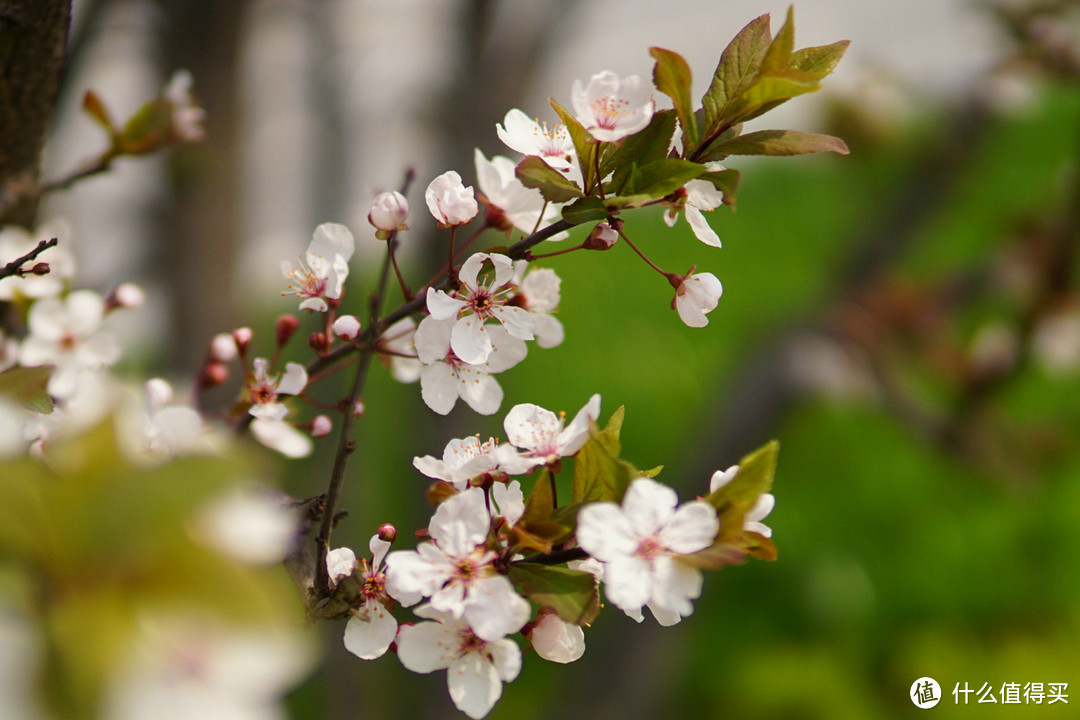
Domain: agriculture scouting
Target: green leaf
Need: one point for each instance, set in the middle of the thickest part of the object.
(736, 498)
(663, 177)
(587, 209)
(642, 147)
(148, 128)
(614, 423)
(534, 173)
(781, 142)
(671, 75)
(779, 53)
(768, 91)
(571, 594)
(599, 474)
(737, 68)
(26, 386)
(821, 60)
(584, 144)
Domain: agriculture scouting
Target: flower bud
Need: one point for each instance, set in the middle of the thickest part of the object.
(242, 337)
(358, 407)
(346, 327)
(214, 373)
(317, 342)
(602, 237)
(286, 326)
(125, 295)
(450, 202)
(41, 268)
(389, 211)
(222, 348)
(387, 533)
(321, 426)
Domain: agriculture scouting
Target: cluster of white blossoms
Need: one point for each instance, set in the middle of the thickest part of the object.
(460, 579)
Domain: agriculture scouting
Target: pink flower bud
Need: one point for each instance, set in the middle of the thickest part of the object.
(214, 373)
(317, 342)
(387, 533)
(222, 347)
(286, 326)
(389, 211)
(450, 202)
(242, 336)
(602, 237)
(125, 295)
(358, 407)
(346, 327)
(321, 426)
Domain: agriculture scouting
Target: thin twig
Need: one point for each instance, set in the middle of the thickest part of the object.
(15, 267)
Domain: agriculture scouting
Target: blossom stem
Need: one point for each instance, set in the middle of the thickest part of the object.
(450, 263)
(15, 267)
(391, 246)
(641, 254)
(554, 558)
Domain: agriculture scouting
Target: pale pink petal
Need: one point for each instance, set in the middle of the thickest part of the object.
(340, 563)
(461, 523)
(316, 304)
(556, 640)
(720, 478)
(506, 351)
(649, 506)
(479, 390)
(692, 528)
(378, 549)
(675, 584)
(494, 610)
(432, 339)
(294, 380)
(530, 426)
(474, 685)
(628, 582)
(331, 239)
(442, 306)
(470, 270)
(470, 341)
(576, 434)
(271, 412)
(604, 532)
(368, 635)
(283, 437)
(506, 657)
(702, 230)
(438, 387)
(518, 322)
(427, 646)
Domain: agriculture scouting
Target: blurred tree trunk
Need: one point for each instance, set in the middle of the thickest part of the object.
(33, 36)
(201, 227)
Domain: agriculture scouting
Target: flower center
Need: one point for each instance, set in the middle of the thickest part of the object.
(374, 586)
(609, 110)
(650, 548)
(263, 392)
(68, 342)
(305, 281)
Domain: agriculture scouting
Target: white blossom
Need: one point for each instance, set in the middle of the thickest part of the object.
(66, 334)
(531, 137)
(346, 327)
(263, 390)
(445, 377)
(197, 668)
(696, 296)
(372, 628)
(320, 273)
(250, 523)
(476, 668)
(282, 437)
(456, 572)
(538, 292)
(466, 458)
(556, 640)
(640, 544)
(389, 211)
(187, 117)
(701, 195)
(450, 202)
(540, 436)
(611, 108)
(479, 299)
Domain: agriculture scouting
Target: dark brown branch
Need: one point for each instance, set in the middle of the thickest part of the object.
(15, 267)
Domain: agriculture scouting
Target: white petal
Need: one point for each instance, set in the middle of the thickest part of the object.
(556, 640)
(426, 647)
(576, 434)
(493, 610)
(317, 304)
(702, 230)
(470, 341)
(432, 339)
(549, 331)
(442, 306)
(470, 270)
(271, 412)
(509, 500)
(294, 380)
(675, 584)
(332, 239)
(628, 582)
(518, 322)
(378, 549)
(474, 685)
(369, 635)
(529, 426)
(283, 437)
(649, 506)
(692, 528)
(604, 532)
(340, 563)
(506, 657)
(481, 391)
(720, 478)
(461, 523)
(438, 387)
(506, 351)
(85, 308)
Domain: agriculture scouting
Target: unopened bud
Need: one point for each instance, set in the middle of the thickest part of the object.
(41, 268)
(387, 533)
(389, 211)
(242, 336)
(286, 326)
(346, 327)
(602, 237)
(317, 342)
(222, 347)
(321, 426)
(214, 373)
(125, 295)
(158, 392)
(358, 408)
